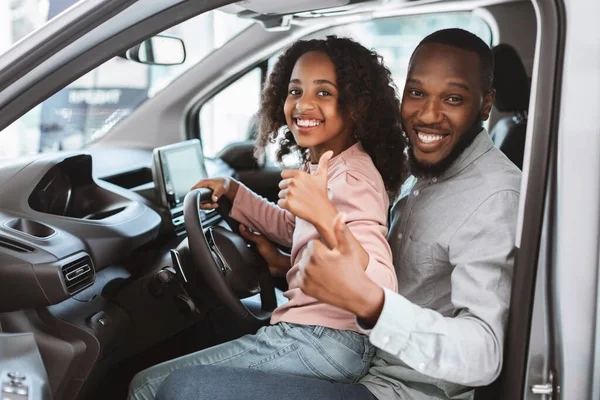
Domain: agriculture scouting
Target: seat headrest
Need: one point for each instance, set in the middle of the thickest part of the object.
(510, 80)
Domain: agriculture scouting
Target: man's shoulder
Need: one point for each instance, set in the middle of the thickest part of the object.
(496, 172)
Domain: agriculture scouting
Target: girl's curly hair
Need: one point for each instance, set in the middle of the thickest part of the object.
(367, 95)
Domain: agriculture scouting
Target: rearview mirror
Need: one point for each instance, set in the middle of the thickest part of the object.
(158, 50)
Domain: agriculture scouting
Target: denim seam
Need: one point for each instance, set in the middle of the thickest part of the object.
(189, 364)
(346, 342)
(367, 357)
(326, 355)
(275, 355)
(311, 367)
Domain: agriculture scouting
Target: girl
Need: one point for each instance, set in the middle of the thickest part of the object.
(337, 105)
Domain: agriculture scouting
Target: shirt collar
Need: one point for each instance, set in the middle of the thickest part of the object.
(480, 145)
(356, 148)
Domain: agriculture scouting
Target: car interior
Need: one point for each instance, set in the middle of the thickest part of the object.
(107, 260)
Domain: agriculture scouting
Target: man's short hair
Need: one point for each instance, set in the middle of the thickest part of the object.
(465, 40)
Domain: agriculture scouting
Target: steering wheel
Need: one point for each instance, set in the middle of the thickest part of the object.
(226, 262)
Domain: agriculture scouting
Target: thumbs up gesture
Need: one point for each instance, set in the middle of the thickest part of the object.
(337, 275)
(306, 197)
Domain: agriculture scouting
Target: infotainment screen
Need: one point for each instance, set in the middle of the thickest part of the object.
(176, 169)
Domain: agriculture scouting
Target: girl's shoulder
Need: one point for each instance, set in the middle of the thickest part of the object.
(357, 167)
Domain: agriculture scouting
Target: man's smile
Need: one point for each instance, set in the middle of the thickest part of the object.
(428, 140)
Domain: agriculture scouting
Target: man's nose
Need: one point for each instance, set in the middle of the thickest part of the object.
(431, 113)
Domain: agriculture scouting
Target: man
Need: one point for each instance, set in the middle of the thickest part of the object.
(452, 234)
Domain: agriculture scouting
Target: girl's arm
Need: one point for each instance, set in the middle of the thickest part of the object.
(279, 263)
(364, 201)
(261, 215)
(250, 209)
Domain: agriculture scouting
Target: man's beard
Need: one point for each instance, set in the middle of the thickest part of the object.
(427, 170)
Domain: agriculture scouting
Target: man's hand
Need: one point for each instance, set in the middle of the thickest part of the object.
(278, 263)
(306, 197)
(338, 277)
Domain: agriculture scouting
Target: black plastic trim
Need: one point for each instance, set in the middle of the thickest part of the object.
(15, 245)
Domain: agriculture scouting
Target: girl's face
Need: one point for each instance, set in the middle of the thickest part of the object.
(311, 108)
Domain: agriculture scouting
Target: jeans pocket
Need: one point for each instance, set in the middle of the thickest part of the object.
(352, 340)
(334, 355)
(276, 358)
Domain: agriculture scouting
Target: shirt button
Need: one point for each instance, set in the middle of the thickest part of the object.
(434, 180)
(400, 235)
(386, 339)
(421, 366)
(416, 192)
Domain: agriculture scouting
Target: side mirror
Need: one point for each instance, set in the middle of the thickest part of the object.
(158, 50)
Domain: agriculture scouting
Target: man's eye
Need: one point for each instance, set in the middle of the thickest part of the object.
(415, 93)
(294, 92)
(324, 93)
(455, 99)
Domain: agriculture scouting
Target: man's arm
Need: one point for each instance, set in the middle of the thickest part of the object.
(465, 348)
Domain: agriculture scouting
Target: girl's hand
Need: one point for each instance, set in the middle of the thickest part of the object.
(220, 186)
(337, 276)
(277, 262)
(306, 197)
(303, 194)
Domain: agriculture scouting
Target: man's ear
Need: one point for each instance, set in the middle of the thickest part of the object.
(488, 102)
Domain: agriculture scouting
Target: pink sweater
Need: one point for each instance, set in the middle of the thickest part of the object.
(357, 189)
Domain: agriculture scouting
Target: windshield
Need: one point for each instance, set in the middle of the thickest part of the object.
(95, 103)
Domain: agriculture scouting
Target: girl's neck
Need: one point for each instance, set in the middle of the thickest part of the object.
(337, 146)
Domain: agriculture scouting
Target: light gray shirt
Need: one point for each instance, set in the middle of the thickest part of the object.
(453, 241)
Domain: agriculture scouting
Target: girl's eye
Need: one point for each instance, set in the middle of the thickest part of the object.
(294, 92)
(324, 93)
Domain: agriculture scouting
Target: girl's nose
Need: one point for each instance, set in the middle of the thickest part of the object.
(304, 104)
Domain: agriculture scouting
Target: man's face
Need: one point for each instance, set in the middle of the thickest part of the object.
(443, 105)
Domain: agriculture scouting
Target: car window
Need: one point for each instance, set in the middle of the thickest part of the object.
(394, 38)
(92, 105)
(230, 116)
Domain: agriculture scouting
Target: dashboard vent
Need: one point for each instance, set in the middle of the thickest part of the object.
(14, 245)
(78, 274)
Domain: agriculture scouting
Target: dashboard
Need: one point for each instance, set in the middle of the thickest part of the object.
(84, 241)
(64, 217)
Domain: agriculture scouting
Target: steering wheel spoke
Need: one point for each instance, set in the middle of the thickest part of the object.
(226, 262)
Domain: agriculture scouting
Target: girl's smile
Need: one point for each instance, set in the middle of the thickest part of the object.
(312, 109)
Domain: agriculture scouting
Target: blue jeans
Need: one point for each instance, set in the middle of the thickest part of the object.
(206, 382)
(309, 351)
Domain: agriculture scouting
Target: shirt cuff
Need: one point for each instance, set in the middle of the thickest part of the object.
(394, 326)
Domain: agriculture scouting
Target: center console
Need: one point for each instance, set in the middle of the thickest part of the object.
(175, 169)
